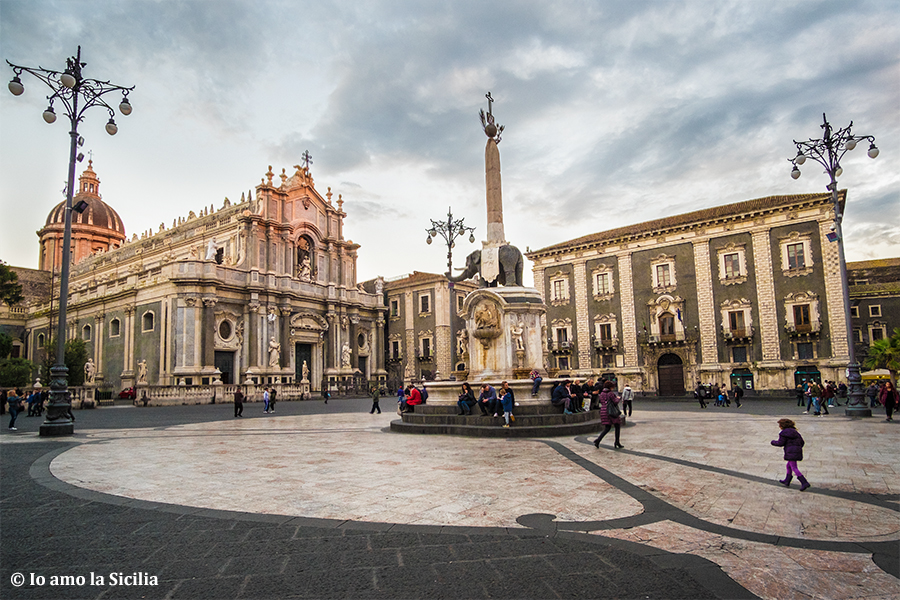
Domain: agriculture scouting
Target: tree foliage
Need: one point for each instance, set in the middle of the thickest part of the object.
(76, 356)
(6, 344)
(15, 372)
(885, 354)
(10, 290)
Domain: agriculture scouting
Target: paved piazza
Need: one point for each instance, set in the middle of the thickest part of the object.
(688, 482)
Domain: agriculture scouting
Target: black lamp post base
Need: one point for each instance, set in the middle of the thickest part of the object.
(858, 411)
(57, 429)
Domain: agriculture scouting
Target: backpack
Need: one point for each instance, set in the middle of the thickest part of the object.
(424, 393)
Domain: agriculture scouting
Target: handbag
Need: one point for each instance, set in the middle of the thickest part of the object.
(612, 409)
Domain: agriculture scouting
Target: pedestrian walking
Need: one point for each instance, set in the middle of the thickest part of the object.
(272, 393)
(375, 392)
(700, 394)
(627, 398)
(889, 399)
(610, 415)
(792, 441)
(737, 392)
(326, 394)
(238, 403)
(872, 394)
(266, 399)
(801, 394)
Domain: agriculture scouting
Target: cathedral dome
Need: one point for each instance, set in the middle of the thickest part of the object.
(98, 228)
(98, 213)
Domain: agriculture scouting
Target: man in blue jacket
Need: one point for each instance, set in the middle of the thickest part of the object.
(487, 401)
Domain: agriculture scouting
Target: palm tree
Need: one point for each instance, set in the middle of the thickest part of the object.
(885, 354)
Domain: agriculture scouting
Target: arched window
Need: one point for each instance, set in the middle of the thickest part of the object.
(40, 340)
(147, 321)
(114, 327)
(86, 333)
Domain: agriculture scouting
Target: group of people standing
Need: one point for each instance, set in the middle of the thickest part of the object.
(885, 394)
(719, 394)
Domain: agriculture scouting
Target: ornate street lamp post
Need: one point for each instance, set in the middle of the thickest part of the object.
(76, 94)
(828, 152)
(450, 230)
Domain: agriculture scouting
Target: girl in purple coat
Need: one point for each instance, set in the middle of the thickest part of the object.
(792, 441)
(607, 397)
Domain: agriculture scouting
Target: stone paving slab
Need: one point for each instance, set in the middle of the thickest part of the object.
(326, 502)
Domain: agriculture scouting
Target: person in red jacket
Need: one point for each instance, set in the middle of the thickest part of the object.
(412, 398)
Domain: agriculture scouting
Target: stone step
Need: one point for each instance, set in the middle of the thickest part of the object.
(517, 430)
(522, 420)
(453, 410)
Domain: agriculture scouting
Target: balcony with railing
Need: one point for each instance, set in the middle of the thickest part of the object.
(804, 330)
(606, 344)
(738, 335)
(558, 348)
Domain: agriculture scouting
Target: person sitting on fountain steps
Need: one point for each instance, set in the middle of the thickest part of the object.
(487, 401)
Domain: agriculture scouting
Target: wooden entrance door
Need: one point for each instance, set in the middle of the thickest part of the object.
(670, 371)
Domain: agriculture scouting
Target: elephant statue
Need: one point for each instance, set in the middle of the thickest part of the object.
(511, 264)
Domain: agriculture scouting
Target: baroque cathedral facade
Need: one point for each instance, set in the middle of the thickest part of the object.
(258, 291)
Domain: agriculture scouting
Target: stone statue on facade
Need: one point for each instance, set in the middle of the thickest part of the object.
(89, 371)
(142, 371)
(305, 270)
(517, 330)
(379, 285)
(345, 355)
(274, 352)
(211, 249)
(304, 371)
(462, 342)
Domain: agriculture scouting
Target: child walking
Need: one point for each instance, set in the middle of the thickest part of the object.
(792, 441)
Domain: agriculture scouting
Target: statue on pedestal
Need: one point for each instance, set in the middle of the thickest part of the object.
(89, 371)
(304, 371)
(345, 355)
(142, 371)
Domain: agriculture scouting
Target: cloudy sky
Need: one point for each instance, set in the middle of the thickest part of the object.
(615, 112)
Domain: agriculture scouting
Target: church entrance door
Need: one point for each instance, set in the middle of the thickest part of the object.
(225, 363)
(671, 375)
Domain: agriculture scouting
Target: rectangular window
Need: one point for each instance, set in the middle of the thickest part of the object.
(805, 351)
(459, 302)
(602, 284)
(732, 266)
(395, 308)
(739, 354)
(736, 320)
(857, 335)
(795, 256)
(801, 317)
(877, 334)
(854, 312)
(608, 361)
(875, 310)
(562, 335)
(562, 362)
(558, 289)
(426, 347)
(663, 277)
(424, 303)
(395, 350)
(605, 330)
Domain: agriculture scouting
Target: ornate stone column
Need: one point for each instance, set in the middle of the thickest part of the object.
(98, 345)
(208, 333)
(285, 341)
(253, 335)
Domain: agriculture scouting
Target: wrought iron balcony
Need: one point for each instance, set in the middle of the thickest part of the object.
(559, 348)
(738, 335)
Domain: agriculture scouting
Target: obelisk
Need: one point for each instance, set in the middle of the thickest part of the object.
(495, 235)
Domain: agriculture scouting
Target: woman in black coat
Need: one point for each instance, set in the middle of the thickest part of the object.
(607, 398)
